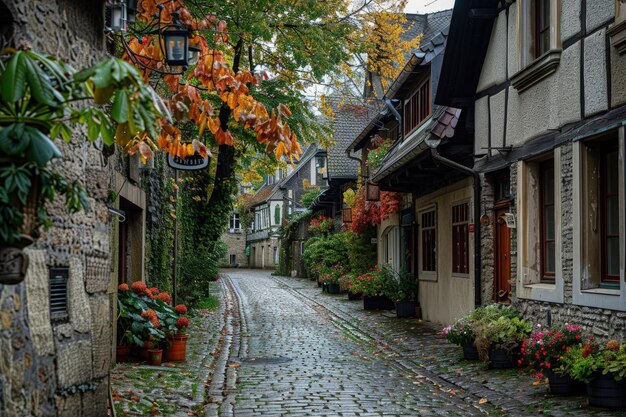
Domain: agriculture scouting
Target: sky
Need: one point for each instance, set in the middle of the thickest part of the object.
(428, 6)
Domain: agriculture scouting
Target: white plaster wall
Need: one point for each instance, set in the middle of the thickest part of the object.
(481, 126)
(449, 297)
(595, 74)
(496, 107)
(570, 18)
(549, 104)
(494, 66)
(599, 12)
(512, 41)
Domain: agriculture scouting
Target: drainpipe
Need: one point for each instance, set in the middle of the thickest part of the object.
(477, 249)
(397, 115)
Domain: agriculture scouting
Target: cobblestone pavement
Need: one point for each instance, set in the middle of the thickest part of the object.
(289, 350)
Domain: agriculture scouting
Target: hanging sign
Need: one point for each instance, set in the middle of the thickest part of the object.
(189, 163)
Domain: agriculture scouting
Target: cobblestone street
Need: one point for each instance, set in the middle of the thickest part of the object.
(288, 350)
(297, 359)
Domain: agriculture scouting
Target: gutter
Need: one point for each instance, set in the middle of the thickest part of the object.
(476, 184)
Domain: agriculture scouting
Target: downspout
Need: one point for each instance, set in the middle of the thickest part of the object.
(477, 248)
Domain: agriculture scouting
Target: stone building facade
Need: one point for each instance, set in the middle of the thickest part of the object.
(549, 118)
(58, 364)
(235, 239)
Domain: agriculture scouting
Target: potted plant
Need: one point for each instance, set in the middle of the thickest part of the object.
(603, 368)
(373, 286)
(38, 103)
(138, 319)
(460, 333)
(177, 342)
(347, 284)
(543, 351)
(403, 291)
(499, 332)
(331, 277)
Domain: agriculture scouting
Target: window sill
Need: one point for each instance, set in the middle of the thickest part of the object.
(617, 32)
(541, 286)
(428, 276)
(459, 275)
(537, 71)
(602, 291)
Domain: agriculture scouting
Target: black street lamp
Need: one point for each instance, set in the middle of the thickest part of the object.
(176, 40)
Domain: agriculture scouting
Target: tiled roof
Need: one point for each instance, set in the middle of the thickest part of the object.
(267, 191)
(350, 120)
(441, 124)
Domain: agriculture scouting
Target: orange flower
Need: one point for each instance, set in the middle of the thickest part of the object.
(180, 309)
(123, 287)
(182, 322)
(149, 314)
(138, 286)
(612, 345)
(165, 297)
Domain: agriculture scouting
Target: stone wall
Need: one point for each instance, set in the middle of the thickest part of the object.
(47, 367)
(236, 243)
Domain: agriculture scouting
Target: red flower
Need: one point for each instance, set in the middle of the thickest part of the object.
(123, 287)
(155, 291)
(149, 314)
(138, 286)
(165, 297)
(181, 309)
(182, 322)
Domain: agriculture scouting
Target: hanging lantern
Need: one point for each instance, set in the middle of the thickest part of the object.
(372, 192)
(131, 11)
(346, 215)
(194, 55)
(176, 39)
(118, 16)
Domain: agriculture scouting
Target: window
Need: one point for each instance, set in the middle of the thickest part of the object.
(301, 248)
(417, 107)
(460, 239)
(235, 225)
(233, 259)
(600, 234)
(542, 27)
(539, 42)
(548, 235)
(429, 241)
(609, 212)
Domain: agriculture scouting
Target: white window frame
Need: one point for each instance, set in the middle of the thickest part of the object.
(613, 299)
(428, 275)
(529, 285)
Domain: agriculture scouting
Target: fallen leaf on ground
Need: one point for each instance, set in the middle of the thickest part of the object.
(234, 365)
(482, 401)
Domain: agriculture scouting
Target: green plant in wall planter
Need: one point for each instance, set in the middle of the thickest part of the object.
(42, 99)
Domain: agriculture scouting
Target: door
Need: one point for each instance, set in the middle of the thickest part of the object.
(502, 284)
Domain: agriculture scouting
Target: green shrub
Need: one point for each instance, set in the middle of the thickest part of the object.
(310, 196)
(197, 269)
(361, 252)
(325, 252)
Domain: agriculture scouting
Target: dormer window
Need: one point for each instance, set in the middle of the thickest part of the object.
(417, 107)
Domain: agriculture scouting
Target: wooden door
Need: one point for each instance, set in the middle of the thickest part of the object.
(502, 250)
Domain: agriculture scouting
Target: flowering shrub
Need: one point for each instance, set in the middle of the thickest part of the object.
(378, 153)
(145, 313)
(373, 283)
(182, 324)
(460, 333)
(323, 252)
(321, 226)
(370, 213)
(333, 274)
(583, 361)
(544, 348)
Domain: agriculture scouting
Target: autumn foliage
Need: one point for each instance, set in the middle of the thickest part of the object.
(366, 213)
(211, 77)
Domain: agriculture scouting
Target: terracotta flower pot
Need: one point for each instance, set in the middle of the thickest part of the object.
(144, 352)
(122, 352)
(155, 356)
(177, 350)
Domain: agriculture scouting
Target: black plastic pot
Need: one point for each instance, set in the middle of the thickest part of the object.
(405, 308)
(605, 391)
(470, 353)
(563, 384)
(500, 358)
(353, 296)
(378, 302)
(333, 288)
